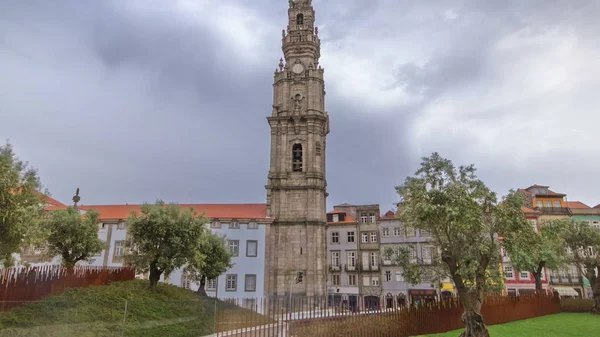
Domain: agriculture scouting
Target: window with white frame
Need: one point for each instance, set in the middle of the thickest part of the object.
(373, 218)
(351, 259)
(425, 233)
(539, 204)
(388, 275)
(335, 237)
(250, 282)
(396, 231)
(185, 281)
(374, 260)
(375, 281)
(399, 277)
(373, 236)
(231, 283)
(234, 225)
(350, 237)
(252, 248)
(366, 281)
(252, 225)
(412, 253)
(364, 237)
(335, 279)
(385, 231)
(351, 280)
(234, 247)
(119, 249)
(215, 224)
(557, 204)
(336, 218)
(548, 204)
(363, 218)
(508, 272)
(365, 259)
(335, 260)
(211, 284)
(427, 254)
(524, 275)
(596, 224)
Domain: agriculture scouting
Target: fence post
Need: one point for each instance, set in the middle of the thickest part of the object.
(124, 319)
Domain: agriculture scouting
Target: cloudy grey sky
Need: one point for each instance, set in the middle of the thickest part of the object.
(133, 100)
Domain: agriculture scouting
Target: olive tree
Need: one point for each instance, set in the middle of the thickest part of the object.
(211, 259)
(464, 218)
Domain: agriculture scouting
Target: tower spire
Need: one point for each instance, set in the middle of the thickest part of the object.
(301, 41)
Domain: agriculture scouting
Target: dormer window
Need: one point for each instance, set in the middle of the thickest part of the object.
(297, 158)
(300, 19)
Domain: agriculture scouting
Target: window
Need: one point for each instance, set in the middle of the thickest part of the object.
(297, 158)
(251, 248)
(373, 236)
(351, 260)
(231, 284)
(508, 272)
(352, 280)
(250, 282)
(252, 225)
(502, 252)
(336, 217)
(533, 225)
(121, 225)
(385, 231)
(388, 276)
(427, 276)
(215, 224)
(300, 19)
(335, 260)
(335, 237)
(350, 237)
(548, 204)
(335, 279)
(427, 254)
(363, 218)
(396, 231)
(539, 204)
(373, 217)
(234, 225)
(366, 281)
(596, 224)
(365, 260)
(375, 281)
(365, 237)
(410, 231)
(119, 248)
(412, 252)
(425, 233)
(185, 281)
(211, 284)
(524, 275)
(557, 204)
(399, 276)
(374, 260)
(234, 247)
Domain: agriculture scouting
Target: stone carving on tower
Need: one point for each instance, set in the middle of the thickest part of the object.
(296, 185)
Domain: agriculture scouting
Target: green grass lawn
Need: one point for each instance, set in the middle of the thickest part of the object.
(559, 325)
(100, 311)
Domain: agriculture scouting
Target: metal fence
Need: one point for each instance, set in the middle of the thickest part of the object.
(19, 285)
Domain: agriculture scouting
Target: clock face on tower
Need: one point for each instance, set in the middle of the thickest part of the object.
(298, 68)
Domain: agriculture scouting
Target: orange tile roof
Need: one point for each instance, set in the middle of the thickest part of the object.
(51, 201)
(529, 210)
(337, 211)
(389, 215)
(233, 211)
(576, 204)
(347, 220)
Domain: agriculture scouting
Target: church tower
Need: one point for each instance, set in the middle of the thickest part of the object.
(296, 186)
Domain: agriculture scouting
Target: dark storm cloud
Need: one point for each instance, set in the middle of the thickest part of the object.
(138, 100)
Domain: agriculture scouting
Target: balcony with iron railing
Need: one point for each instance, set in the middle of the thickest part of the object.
(369, 267)
(351, 267)
(335, 267)
(553, 210)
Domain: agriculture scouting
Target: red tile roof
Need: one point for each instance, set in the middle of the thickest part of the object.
(233, 211)
(388, 216)
(51, 201)
(528, 210)
(541, 186)
(576, 204)
(348, 219)
(337, 211)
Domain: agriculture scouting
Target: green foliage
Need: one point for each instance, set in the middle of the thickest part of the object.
(99, 311)
(164, 238)
(212, 258)
(20, 203)
(464, 217)
(72, 237)
(531, 251)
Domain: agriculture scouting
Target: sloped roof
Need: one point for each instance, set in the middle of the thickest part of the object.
(233, 211)
(576, 204)
(388, 215)
(528, 210)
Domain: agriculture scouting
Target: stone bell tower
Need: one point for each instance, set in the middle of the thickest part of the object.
(296, 187)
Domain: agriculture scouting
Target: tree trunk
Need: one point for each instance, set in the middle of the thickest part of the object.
(154, 275)
(537, 276)
(201, 291)
(474, 325)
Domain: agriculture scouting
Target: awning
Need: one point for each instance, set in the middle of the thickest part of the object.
(447, 286)
(566, 291)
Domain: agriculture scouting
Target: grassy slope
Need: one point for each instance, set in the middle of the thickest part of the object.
(559, 325)
(99, 311)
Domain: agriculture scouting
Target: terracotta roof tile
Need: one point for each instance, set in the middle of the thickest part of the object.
(347, 220)
(576, 204)
(337, 211)
(388, 216)
(233, 211)
(529, 210)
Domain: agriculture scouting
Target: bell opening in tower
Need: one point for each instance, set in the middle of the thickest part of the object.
(300, 19)
(297, 158)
